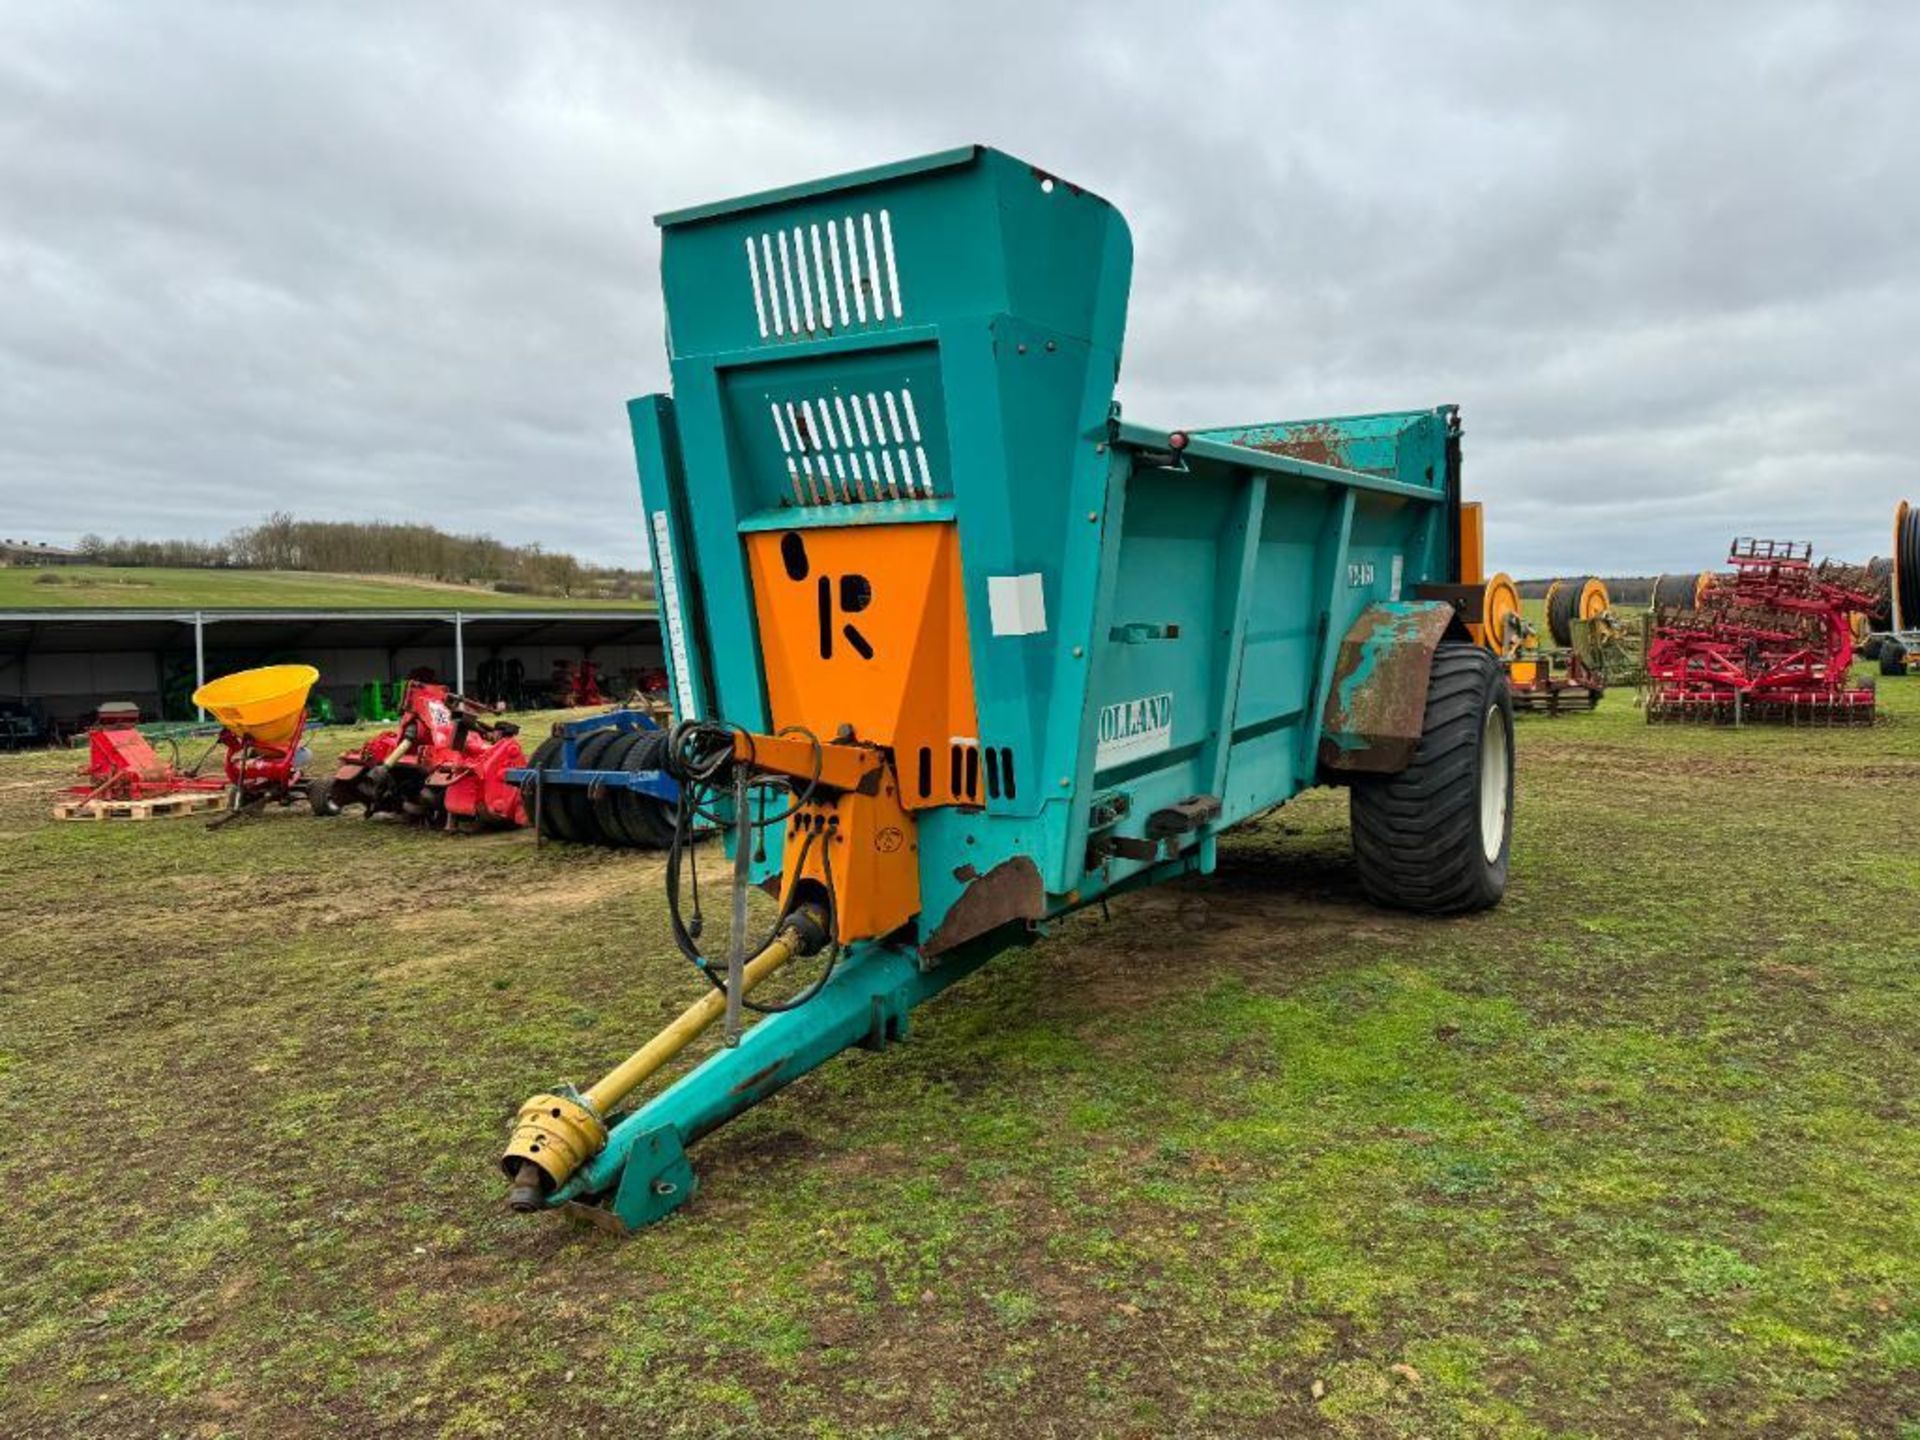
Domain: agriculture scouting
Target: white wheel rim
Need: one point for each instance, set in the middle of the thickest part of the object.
(1496, 761)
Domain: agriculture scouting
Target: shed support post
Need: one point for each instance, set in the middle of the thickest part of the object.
(459, 655)
(199, 657)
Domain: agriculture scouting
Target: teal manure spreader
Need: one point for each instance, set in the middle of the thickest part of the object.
(957, 649)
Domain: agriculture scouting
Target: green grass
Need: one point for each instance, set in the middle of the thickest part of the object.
(1633, 1155)
(93, 586)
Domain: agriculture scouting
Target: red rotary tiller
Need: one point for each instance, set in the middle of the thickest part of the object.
(1772, 641)
(444, 764)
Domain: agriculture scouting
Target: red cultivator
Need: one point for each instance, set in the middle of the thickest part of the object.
(122, 767)
(445, 764)
(1771, 641)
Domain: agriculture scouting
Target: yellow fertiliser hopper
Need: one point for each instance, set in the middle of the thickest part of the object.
(267, 706)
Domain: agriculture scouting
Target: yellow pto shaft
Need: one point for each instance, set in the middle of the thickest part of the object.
(554, 1135)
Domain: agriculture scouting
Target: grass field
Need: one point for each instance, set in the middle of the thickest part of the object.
(1635, 1155)
(111, 586)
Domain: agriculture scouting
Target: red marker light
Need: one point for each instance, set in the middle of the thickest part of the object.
(1177, 440)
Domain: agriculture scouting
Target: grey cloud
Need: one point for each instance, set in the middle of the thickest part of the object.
(400, 261)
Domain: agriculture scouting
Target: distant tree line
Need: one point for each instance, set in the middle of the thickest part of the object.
(281, 542)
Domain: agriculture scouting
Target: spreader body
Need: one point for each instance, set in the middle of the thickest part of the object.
(1015, 651)
(892, 491)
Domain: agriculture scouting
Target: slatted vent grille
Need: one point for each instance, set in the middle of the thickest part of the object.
(853, 448)
(822, 278)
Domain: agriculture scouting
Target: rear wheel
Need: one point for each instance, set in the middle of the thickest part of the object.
(320, 796)
(1436, 837)
(1893, 658)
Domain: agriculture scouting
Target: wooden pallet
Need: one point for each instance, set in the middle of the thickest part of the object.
(159, 807)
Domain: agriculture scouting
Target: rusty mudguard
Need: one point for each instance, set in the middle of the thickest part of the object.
(1011, 890)
(1377, 700)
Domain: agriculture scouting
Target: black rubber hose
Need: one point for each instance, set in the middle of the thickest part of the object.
(1673, 592)
(1560, 610)
(699, 755)
(1906, 571)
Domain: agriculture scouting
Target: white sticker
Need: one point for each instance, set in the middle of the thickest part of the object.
(1132, 728)
(669, 598)
(1399, 568)
(1017, 604)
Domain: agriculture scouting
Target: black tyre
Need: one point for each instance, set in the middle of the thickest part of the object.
(608, 811)
(1893, 658)
(1870, 647)
(544, 755)
(651, 822)
(557, 810)
(571, 800)
(320, 796)
(1437, 836)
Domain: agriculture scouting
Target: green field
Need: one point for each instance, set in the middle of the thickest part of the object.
(1634, 1155)
(104, 586)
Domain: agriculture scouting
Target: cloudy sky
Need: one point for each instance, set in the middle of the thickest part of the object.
(397, 260)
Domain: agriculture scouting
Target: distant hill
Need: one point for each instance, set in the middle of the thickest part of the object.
(371, 550)
(157, 587)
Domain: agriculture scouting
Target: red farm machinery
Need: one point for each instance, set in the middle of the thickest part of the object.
(445, 764)
(263, 726)
(127, 779)
(1771, 640)
(262, 715)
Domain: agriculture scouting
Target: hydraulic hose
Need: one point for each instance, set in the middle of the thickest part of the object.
(700, 756)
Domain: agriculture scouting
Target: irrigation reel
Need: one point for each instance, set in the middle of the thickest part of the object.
(1893, 632)
(1583, 651)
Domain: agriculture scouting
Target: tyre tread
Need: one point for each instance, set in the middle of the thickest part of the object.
(1416, 835)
